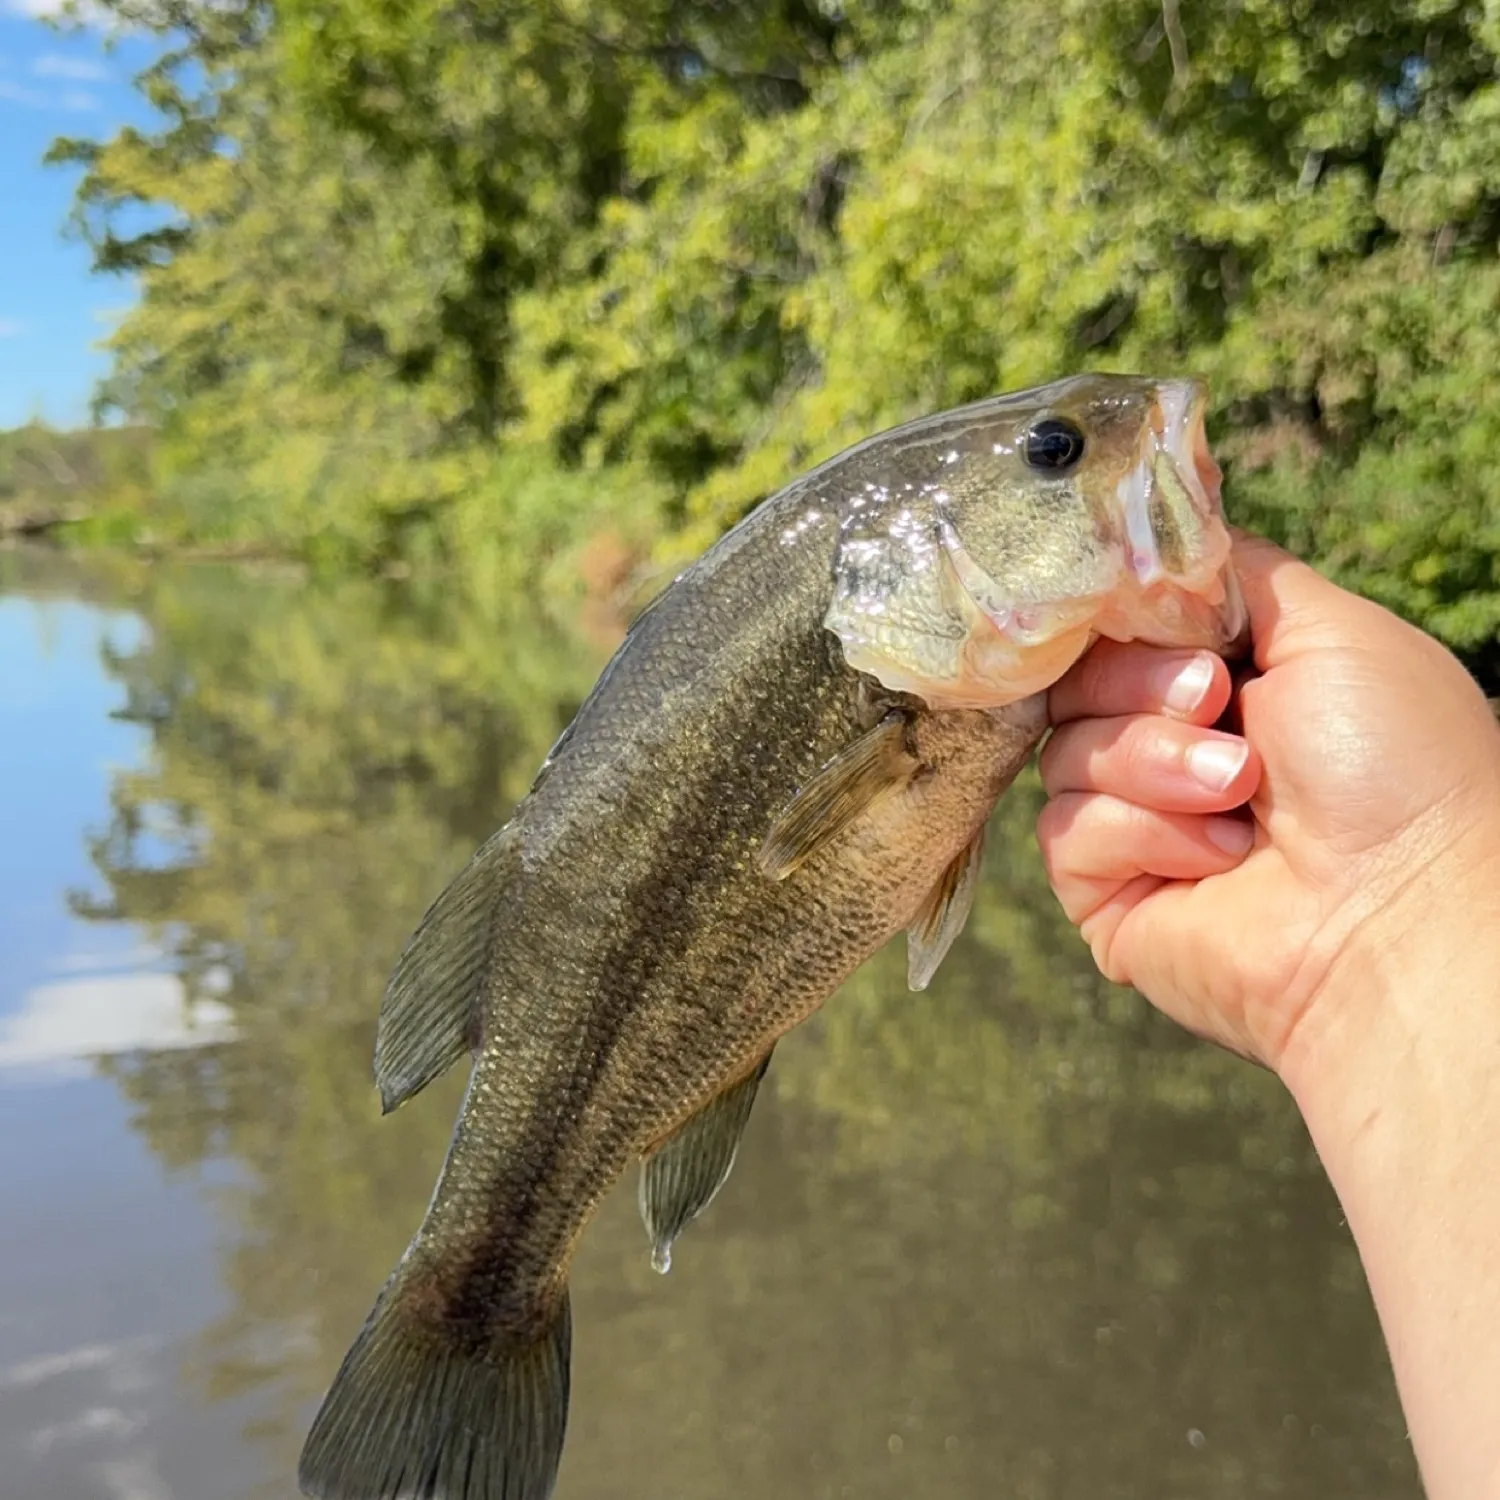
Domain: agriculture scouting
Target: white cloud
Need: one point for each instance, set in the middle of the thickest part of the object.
(136, 1478)
(87, 962)
(78, 69)
(61, 1025)
(109, 1394)
(11, 328)
(85, 13)
(15, 93)
(30, 1372)
(77, 101)
(92, 1422)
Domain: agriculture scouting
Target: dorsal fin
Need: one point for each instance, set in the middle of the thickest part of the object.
(430, 1016)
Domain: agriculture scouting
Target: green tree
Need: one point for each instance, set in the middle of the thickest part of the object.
(464, 284)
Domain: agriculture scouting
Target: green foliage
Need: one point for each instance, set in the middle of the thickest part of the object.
(665, 254)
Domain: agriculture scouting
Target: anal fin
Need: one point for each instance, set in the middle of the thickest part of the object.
(847, 787)
(942, 915)
(680, 1178)
(429, 1017)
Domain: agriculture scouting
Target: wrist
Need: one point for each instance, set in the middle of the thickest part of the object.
(1405, 1029)
(1418, 930)
(1394, 1072)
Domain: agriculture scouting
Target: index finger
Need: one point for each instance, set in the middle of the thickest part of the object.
(1115, 680)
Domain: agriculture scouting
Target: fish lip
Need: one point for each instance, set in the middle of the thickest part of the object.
(1183, 405)
(1143, 556)
(1177, 436)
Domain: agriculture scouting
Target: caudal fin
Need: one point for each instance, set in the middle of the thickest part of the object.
(415, 1415)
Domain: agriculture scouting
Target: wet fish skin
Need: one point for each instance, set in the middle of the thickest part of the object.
(695, 965)
(626, 948)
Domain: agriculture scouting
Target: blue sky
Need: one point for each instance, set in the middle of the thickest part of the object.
(52, 311)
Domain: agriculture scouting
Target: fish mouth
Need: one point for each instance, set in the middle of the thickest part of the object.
(1175, 584)
(1177, 545)
(1184, 407)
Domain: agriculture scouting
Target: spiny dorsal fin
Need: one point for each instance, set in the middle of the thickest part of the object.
(680, 1178)
(853, 781)
(429, 1017)
(942, 915)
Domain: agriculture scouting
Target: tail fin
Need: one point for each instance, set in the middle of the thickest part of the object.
(415, 1415)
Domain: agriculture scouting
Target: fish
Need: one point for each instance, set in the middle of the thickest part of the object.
(790, 760)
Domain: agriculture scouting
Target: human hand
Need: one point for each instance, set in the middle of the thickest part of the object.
(1371, 765)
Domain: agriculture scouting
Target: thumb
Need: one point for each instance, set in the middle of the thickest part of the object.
(1293, 609)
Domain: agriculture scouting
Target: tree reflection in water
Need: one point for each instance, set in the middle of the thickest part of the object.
(1011, 1236)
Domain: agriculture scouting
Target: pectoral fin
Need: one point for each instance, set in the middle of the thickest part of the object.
(856, 778)
(943, 914)
(429, 1017)
(680, 1178)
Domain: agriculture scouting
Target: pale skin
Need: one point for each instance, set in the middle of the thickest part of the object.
(1322, 895)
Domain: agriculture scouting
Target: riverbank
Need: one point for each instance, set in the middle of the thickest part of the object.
(1398, 524)
(54, 479)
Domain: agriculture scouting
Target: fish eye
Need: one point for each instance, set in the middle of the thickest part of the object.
(1054, 443)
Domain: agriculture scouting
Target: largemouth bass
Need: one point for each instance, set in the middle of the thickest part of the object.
(790, 759)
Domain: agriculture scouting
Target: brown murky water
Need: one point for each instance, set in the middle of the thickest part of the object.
(1010, 1237)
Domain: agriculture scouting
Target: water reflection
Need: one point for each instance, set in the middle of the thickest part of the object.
(1011, 1236)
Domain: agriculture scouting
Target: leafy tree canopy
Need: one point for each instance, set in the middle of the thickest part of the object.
(464, 283)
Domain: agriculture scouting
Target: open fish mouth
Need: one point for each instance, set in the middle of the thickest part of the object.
(1180, 587)
(1132, 546)
(1175, 456)
(1172, 582)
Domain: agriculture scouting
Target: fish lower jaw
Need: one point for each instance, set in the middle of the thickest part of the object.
(1182, 591)
(1208, 615)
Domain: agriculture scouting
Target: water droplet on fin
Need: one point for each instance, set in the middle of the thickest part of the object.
(661, 1257)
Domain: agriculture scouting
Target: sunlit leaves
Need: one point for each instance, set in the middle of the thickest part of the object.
(671, 253)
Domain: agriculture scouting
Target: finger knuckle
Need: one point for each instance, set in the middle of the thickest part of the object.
(1140, 749)
(1098, 675)
(1100, 934)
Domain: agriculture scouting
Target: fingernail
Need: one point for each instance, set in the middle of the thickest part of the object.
(1189, 685)
(1215, 763)
(1232, 835)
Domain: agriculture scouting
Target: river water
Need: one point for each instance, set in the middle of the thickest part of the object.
(1014, 1236)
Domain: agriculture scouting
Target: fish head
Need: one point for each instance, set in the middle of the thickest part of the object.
(1002, 539)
